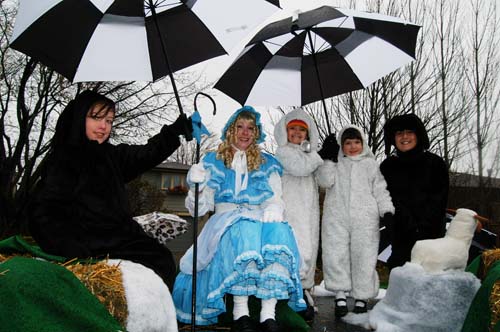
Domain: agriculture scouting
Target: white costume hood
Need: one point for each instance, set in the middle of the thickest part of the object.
(366, 149)
(280, 134)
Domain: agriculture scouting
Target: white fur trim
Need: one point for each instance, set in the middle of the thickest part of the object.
(150, 305)
(280, 134)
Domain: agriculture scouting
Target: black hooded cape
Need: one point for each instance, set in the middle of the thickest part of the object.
(418, 183)
(80, 207)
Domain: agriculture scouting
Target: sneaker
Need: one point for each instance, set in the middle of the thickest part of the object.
(341, 307)
(269, 325)
(243, 324)
(359, 307)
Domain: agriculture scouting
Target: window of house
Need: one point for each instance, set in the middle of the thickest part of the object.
(174, 183)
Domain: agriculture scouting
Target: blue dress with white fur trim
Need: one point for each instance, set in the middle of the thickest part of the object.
(237, 253)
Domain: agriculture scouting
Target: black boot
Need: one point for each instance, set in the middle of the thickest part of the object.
(308, 313)
(243, 324)
(269, 325)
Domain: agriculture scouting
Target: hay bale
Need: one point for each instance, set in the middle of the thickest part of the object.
(494, 302)
(5, 257)
(105, 283)
(488, 257)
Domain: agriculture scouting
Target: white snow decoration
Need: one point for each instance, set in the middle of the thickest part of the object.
(451, 251)
(320, 290)
(385, 254)
(418, 301)
(150, 305)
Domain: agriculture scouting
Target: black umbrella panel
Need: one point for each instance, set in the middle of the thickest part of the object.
(324, 52)
(91, 40)
(125, 40)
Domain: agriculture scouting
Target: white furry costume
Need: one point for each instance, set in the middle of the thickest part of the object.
(149, 302)
(300, 191)
(350, 231)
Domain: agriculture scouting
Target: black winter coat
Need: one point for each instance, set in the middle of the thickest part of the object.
(80, 208)
(418, 184)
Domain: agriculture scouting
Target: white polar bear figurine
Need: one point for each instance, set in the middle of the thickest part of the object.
(451, 251)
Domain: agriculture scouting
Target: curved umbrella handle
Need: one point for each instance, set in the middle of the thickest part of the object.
(210, 98)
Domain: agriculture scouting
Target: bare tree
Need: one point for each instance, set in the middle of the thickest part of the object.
(449, 101)
(482, 61)
(186, 153)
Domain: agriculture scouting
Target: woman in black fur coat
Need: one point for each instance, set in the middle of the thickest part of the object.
(418, 183)
(80, 207)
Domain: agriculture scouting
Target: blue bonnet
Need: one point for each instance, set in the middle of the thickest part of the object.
(233, 117)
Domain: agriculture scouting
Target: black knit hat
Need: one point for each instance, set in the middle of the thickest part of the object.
(405, 122)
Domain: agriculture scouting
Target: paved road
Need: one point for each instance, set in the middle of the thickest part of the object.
(325, 319)
(323, 322)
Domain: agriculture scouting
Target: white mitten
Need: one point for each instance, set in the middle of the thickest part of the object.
(272, 213)
(197, 174)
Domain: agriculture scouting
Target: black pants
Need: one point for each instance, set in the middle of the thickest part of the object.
(148, 252)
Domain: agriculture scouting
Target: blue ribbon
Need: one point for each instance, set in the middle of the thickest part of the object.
(198, 127)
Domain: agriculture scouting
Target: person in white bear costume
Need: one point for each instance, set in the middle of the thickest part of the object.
(451, 251)
(297, 137)
(358, 197)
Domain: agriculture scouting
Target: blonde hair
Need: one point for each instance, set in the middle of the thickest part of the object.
(225, 151)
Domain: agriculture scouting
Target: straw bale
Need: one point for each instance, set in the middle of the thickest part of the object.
(5, 257)
(105, 283)
(494, 305)
(488, 257)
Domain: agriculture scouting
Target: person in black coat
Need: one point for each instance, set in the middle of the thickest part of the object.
(79, 207)
(418, 183)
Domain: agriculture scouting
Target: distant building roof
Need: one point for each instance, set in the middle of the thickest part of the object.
(471, 180)
(172, 166)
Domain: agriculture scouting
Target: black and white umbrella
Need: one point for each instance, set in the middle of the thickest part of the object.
(132, 40)
(321, 53)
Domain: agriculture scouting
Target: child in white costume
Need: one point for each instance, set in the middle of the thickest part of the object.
(297, 138)
(246, 248)
(351, 215)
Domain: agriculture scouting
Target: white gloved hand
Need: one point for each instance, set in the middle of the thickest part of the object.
(197, 174)
(272, 214)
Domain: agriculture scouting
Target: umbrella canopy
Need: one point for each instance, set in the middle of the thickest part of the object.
(324, 52)
(118, 40)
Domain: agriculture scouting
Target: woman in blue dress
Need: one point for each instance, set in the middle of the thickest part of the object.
(246, 248)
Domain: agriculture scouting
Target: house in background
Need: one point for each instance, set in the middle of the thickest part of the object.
(170, 178)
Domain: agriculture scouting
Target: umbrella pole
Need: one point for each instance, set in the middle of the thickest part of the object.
(195, 248)
(195, 223)
(313, 52)
(165, 55)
